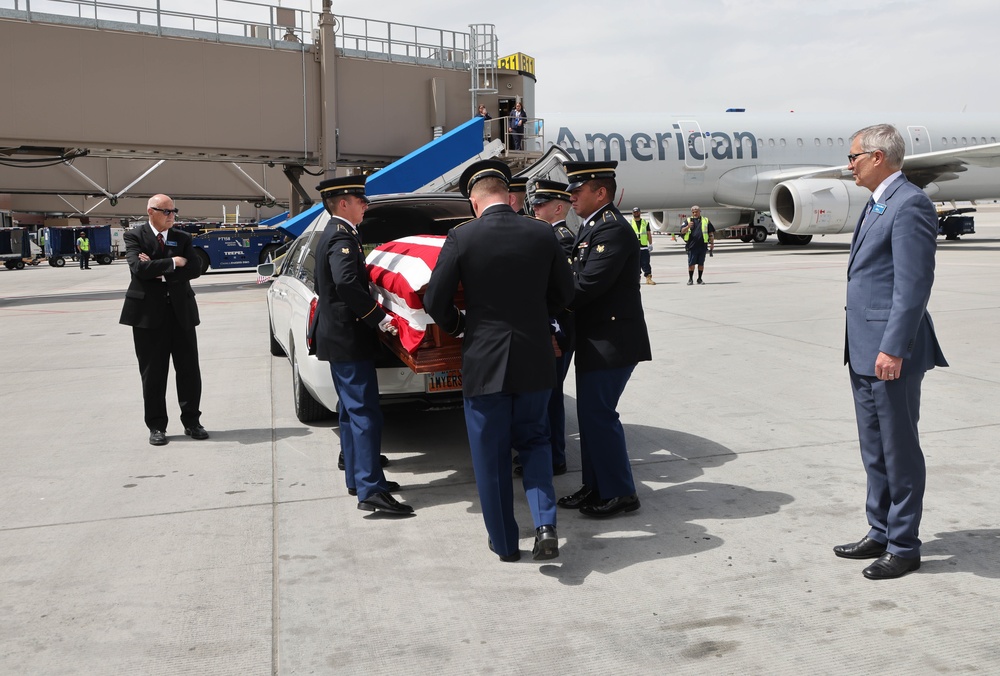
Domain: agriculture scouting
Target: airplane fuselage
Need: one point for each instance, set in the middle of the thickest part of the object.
(671, 161)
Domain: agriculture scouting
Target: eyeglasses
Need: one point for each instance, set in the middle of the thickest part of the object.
(166, 212)
(854, 156)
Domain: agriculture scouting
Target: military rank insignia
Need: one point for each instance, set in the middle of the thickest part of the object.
(345, 250)
(600, 248)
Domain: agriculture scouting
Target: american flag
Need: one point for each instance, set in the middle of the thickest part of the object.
(399, 271)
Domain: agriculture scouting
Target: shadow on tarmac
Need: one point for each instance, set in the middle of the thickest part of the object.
(967, 551)
(665, 464)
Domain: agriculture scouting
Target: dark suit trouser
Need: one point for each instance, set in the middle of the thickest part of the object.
(154, 349)
(497, 423)
(557, 411)
(887, 413)
(602, 439)
(356, 383)
(644, 267)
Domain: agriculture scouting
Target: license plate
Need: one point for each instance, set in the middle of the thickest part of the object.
(444, 381)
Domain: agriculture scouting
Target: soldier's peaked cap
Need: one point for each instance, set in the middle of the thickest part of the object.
(345, 185)
(579, 173)
(484, 169)
(519, 184)
(549, 190)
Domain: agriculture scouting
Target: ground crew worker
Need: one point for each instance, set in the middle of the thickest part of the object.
(641, 227)
(699, 239)
(83, 248)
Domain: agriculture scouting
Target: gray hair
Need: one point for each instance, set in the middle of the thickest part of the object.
(886, 138)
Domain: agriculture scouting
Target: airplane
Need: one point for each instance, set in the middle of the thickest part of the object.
(736, 165)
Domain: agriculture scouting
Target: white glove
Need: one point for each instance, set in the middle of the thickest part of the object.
(388, 325)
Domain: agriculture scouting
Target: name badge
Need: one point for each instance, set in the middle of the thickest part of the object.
(878, 208)
(170, 243)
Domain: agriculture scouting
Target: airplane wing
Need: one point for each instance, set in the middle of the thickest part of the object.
(922, 169)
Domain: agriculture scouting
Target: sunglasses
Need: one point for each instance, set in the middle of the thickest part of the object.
(166, 212)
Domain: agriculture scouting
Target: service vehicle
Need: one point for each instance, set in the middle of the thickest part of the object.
(225, 247)
(291, 300)
(60, 243)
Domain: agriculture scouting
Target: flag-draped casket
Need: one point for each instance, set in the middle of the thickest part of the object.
(399, 272)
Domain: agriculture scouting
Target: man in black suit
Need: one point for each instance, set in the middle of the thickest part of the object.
(348, 319)
(611, 338)
(160, 308)
(514, 276)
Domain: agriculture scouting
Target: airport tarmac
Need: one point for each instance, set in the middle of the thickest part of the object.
(244, 554)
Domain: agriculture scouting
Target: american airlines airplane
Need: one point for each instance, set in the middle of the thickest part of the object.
(794, 165)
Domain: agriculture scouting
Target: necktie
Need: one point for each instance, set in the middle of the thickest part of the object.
(159, 239)
(869, 206)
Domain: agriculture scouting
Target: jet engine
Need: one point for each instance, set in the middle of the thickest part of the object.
(817, 206)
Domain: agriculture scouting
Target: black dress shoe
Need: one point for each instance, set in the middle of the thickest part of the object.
(612, 506)
(889, 566)
(382, 460)
(546, 544)
(384, 502)
(865, 548)
(584, 496)
(197, 432)
(509, 558)
(157, 438)
(391, 485)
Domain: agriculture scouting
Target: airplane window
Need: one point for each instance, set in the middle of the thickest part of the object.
(964, 141)
(799, 142)
(840, 142)
(829, 142)
(818, 143)
(944, 140)
(984, 140)
(782, 143)
(954, 141)
(770, 142)
(993, 139)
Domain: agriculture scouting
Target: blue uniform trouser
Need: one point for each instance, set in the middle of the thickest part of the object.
(557, 411)
(496, 423)
(602, 440)
(887, 412)
(360, 426)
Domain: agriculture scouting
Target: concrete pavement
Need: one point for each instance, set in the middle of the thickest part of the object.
(244, 554)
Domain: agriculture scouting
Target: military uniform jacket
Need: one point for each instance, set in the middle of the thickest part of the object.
(567, 341)
(154, 282)
(890, 272)
(348, 316)
(514, 276)
(610, 324)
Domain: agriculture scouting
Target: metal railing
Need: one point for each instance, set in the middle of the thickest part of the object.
(246, 20)
(370, 38)
(228, 19)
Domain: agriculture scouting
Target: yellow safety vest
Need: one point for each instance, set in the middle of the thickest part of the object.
(704, 230)
(84, 244)
(641, 231)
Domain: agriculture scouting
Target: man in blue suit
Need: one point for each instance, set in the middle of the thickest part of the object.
(514, 276)
(890, 344)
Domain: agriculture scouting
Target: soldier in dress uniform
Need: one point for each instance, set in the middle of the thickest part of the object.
(514, 277)
(550, 203)
(611, 338)
(518, 190)
(347, 322)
